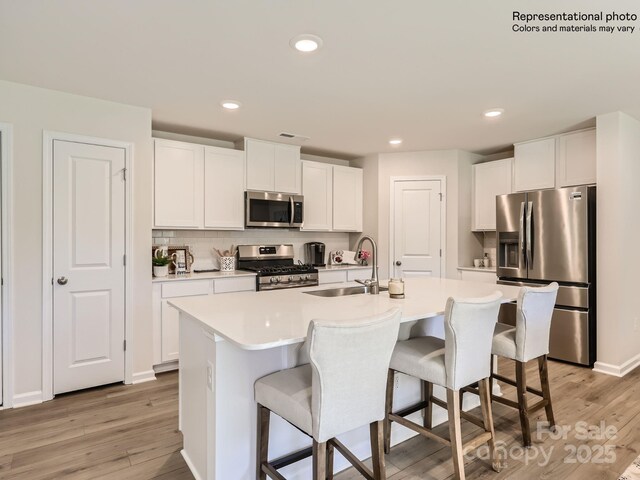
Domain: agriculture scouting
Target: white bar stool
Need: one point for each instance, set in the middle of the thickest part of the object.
(342, 388)
(461, 359)
(528, 340)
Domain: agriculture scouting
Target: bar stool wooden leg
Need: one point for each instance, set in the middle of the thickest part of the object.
(484, 390)
(263, 441)
(330, 450)
(455, 432)
(377, 450)
(388, 410)
(319, 460)
(427, 392)
(521, 387)
(546, 390)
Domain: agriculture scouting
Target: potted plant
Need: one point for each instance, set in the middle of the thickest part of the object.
(161, 265)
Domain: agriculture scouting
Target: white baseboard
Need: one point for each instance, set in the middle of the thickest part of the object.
(617, 370)
(166, 367)
(26, 399)
(142, 377)
(189, 463)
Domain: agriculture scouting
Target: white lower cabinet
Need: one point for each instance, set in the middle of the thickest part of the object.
(332, 276)
(478, 276)
(165, 318)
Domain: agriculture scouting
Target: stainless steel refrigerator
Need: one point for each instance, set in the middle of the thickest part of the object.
(545, 236)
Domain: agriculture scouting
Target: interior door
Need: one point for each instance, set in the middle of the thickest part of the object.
(88, 265)
(417, 227)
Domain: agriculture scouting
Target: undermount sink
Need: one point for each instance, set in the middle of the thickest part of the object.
(341, 292)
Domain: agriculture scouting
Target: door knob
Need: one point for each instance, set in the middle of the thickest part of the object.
(398, 263)
(63, 280)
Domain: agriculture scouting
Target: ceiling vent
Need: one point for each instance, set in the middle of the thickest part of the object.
(293, 136)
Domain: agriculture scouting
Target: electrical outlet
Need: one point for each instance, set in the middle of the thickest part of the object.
(635, 324)
(396, 381)
(210, 376)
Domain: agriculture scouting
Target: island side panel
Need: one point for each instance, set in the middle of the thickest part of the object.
(193, 393)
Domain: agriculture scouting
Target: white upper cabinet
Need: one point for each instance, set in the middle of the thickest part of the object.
(178, 184)
(286, 171)
(347, 199)
(272, 167)
(535, 165)
(317, 188)
(576, 161)
(198, 187)
(224, 188)
(489, 180)
(260, 165)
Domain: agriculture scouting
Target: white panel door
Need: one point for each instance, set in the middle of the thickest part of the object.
(286, 169)
(178, 184)
(88, 265)
(223, 188)
(417, 224)
(317, 188)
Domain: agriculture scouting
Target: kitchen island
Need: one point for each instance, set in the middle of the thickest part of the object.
(229, 341)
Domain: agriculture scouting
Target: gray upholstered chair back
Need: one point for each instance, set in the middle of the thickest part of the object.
(533, 321)
(468, 329)
(350, 363)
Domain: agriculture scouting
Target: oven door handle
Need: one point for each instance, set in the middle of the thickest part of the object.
(291, 210)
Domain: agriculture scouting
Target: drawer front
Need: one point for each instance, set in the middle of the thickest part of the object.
(358, 274)
(332, 277)
(186, 288)
(238, 284)
(569, 336)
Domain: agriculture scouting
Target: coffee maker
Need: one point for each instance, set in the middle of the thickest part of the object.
(314, 254)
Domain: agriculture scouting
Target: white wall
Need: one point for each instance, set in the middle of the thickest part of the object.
(618, 230)
(32, 110)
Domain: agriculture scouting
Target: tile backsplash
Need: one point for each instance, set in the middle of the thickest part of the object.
(489, 247)
(202, 242)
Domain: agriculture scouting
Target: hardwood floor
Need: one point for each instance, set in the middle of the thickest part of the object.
(114, 432)
(579, 395)
(131, 432)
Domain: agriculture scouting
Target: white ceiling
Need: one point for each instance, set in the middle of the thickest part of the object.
(417, 69)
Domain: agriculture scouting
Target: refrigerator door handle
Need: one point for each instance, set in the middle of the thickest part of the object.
(528, 229)
(521, 233)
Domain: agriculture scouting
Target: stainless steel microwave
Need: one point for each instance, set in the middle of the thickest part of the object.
(269, 209)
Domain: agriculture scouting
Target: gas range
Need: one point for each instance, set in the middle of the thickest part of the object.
(275, 268)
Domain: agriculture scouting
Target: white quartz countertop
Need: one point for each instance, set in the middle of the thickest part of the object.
(478, 269)
(203, 276)
(268, 319)
(343, 267)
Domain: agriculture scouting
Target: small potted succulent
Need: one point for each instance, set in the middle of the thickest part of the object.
(161, 264)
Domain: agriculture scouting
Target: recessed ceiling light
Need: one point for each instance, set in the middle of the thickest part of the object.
(493, 112)
(230, 104)
(395, 141)
(306, 43)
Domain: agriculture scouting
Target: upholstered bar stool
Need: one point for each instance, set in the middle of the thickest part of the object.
(528, 340)
(342, 388)
(461, 359)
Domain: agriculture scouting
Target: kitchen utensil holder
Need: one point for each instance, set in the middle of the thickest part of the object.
(227, 264)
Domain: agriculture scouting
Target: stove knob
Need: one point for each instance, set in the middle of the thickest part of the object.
(274, 279)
